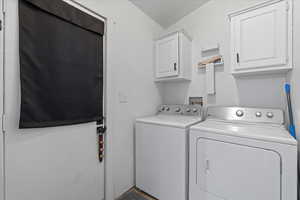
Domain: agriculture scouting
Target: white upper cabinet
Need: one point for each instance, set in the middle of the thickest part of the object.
(167, 56)
(261, 38)
(173, 57)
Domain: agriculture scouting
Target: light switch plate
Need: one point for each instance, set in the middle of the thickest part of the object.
(123, 98)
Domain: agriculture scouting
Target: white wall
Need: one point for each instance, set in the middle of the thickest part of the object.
(209, 25)
(130, 76)
(294, 75)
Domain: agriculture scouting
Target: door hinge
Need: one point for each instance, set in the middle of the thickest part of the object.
(0, 25)
(238, 58)
(287, 6)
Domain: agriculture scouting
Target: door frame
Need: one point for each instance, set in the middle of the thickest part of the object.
(2, 100)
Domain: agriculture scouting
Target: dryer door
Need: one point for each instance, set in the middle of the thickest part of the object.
(235, 172)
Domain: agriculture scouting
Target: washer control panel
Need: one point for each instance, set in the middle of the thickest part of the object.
(189, 110)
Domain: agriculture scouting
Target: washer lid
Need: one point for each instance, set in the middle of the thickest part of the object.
(257, 131)
(178, 121)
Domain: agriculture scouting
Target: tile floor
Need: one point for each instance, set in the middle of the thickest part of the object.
(135, 194)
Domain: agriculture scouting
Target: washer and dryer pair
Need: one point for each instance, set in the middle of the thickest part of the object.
(235, 153)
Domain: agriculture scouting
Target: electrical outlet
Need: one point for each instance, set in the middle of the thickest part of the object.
(196, 101)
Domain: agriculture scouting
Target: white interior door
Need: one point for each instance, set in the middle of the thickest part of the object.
(167, 53)
(235, 172)
(261, 37)
(45, 164)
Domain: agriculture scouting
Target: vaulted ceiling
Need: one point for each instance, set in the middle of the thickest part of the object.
(167, 12)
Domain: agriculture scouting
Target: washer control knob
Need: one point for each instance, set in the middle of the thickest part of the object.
(240, 113)
(177, 110)
(162, 108)
(188, 110)
(167, 109)
(270, 115)
(195, 110)
(258, 114)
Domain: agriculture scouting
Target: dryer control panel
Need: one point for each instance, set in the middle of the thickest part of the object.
(255, 115)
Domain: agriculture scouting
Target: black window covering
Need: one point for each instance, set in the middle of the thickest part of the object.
(61, 64)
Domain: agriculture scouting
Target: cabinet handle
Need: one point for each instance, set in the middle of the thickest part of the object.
(238, 58)
(175, 66)
(207, 165)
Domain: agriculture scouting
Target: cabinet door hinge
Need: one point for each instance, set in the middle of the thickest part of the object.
(3, 123)
(0, 25)
(287, 6)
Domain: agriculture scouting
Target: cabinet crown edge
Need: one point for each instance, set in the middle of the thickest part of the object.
(255, 6)
(183, 31)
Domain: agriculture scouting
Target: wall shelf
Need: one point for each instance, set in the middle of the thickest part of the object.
(206, 49)
(216, 64)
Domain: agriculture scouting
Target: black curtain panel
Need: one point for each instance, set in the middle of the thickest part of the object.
(61, 64)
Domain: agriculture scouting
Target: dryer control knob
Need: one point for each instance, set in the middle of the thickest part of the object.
(258, 114)
(195, 110)
(188, 110)
(177, 110)
(167, 109)
(240, 113)
(270, 115)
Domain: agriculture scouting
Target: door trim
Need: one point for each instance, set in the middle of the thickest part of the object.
(2, 78)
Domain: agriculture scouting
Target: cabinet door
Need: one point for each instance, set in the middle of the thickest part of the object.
(235, 172)
(167, 51)
(260, 37)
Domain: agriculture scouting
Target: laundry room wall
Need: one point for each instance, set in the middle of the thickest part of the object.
(131, 93)
(294, 74)
(209, 25)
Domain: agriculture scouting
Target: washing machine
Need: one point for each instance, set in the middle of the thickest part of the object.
(242, 154)
(162, 151)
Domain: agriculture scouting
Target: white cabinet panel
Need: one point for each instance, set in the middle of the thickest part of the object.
(173, 57)
(167, 57)
(161, 161)
(235, 172)
(260, 38)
